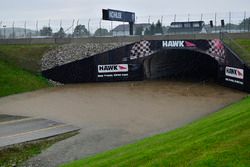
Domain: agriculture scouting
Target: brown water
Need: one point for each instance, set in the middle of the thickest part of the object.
(111, 114)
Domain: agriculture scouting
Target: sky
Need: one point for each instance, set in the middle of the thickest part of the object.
(84, 9)
(20, 11)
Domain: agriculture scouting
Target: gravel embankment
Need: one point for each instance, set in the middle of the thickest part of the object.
(67, 53)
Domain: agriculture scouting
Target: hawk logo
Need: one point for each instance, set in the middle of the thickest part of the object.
(112, 68)
(177, 44)
(234, 72)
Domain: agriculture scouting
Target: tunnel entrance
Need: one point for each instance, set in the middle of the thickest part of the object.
(180, 64)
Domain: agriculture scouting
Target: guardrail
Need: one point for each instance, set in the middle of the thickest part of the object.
(119, 39)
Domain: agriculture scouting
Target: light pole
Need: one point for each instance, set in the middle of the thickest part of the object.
(88, 27)
(4, 26)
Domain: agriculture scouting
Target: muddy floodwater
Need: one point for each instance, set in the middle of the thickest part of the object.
(113, 114)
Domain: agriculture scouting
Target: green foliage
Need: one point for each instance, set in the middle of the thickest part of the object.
(46, 31)
(221, 139)
(245, 24)
(80, 31)
(101, 32)
(60, 33)
(158, 28)
(154, 29)
(139, 30)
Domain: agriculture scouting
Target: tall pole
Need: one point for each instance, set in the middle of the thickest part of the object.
(37, 27)
(88, 27)
(245, 13)
(13, 30)
(25, 32)
(73, 23)
(100, 27)
(175, 18)
(188, 16)
(215, 22)
(0, 29)
(4, 26)
(60, 24)
(201, 17)
(229, 22)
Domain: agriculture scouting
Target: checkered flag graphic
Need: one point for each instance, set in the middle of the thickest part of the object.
(140, 49)
(217, 50)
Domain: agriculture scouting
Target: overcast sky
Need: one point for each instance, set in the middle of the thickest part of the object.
(57, 13)
(83, 9)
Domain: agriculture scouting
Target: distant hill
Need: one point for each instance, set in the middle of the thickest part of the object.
(18, 32)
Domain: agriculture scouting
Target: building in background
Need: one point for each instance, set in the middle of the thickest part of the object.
(123, 29)
(188, 27)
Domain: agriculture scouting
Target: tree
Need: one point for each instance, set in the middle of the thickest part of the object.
(147, 32)
(46, 31)
(80, 31)
(139, 30)
(245, 24)
(158, 28)
(60, 33)
(154, 29)
(101, 32)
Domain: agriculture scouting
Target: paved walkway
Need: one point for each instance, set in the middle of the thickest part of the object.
(16, 130)
(113, 114)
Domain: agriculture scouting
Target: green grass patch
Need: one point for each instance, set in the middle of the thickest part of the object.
(18, 154)
(24, 56)
(221, 139)
(245, 43)
(15, 80)
(241, 47)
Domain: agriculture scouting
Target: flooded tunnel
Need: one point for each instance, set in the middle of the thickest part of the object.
(180, 64)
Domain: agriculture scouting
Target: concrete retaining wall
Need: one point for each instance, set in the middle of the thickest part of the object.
(118, 39)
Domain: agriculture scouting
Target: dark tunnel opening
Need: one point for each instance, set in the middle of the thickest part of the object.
(181, 64)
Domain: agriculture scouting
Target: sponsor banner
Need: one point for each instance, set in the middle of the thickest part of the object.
(234, 81)
(177, 44)
(112, 68)
(234, 72)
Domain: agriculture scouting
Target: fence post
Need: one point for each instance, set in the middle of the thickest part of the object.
(215, 22)
(229, 22)
(13, 30)
(88, 27)
(4, 26)
(25, 29)
(37, 28)
(244, 21)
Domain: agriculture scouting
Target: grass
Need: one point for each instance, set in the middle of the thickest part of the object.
(245, 44)
(19, 68)
(15, 80)
(221, 139)
(18, 154)
(241, 47)
(27, 57)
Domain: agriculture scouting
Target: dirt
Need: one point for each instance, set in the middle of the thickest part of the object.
(113, 114)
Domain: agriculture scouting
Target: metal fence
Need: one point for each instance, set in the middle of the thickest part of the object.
(234, 22)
